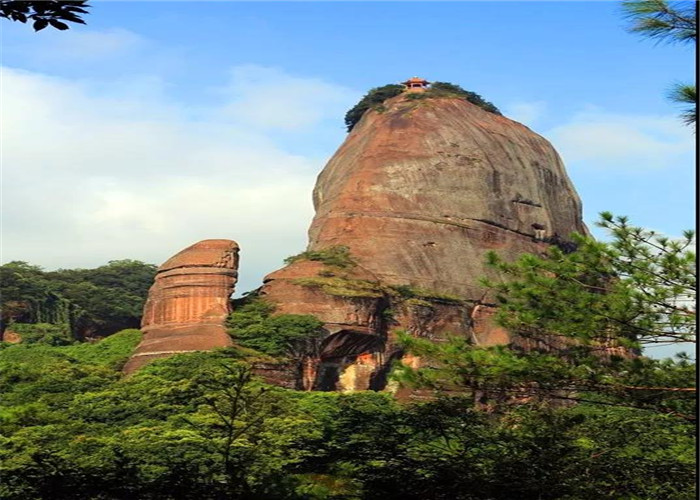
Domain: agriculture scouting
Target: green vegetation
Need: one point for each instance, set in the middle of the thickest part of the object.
(375, 98)
(583, 315)
(336, 256)
(343, 287)
(201, 426)
(253, 326)
(45, 12)
(44, 333)
(671, 22)
(87, 302)
(372, 100)
(444, 89)
(416, 293)
(334, 282)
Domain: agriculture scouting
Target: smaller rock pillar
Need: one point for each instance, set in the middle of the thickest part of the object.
(188, 303)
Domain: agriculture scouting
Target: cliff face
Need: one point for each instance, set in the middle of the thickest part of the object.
(419, 193)
(188, 302)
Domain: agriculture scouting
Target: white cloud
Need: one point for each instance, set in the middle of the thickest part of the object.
(75, 45)
(91, 174)
(605, 140)
(527, 113)
(97, 44)
(269, 98)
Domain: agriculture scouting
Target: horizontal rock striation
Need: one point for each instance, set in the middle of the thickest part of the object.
(188, 302)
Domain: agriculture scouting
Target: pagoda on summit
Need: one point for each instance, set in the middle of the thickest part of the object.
(416, 84)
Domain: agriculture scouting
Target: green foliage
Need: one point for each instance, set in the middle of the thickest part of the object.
(336, 256)
(687, 95)
(375, 98)
(112, 296)
(662, 20)
(200, 425)
(455, 452)
(253, 326)
(343, 287)
(112, 352)
(444, 89)
(413, 292)
(372, 100)
(28, 298)
(45, 13)
(578, 318)
(190, 426)
(44, 333)
(90, 302)
(637, 290)
(670, 22)
(37, 380)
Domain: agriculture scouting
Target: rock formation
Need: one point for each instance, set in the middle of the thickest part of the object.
(188, 302)
(418, 193)
(406, 210)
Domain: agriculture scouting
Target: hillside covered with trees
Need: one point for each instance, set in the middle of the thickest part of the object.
(550, 423)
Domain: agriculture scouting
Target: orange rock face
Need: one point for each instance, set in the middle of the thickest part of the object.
(422, 190)
(188, 302)
(419, 193)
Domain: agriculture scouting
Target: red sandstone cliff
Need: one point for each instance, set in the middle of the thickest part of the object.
(188, 302)
(419, 193)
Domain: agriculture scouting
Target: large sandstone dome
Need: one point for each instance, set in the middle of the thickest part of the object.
(420, 191)
(406, 210)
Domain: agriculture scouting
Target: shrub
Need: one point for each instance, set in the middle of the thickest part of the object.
(445, 89)
(372, 100)
(338, 256)
(375, 98)
(412, 292)
(343, 287)
(254, 327)
(44, 333)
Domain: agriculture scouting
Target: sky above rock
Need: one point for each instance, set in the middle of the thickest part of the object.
(163, 123)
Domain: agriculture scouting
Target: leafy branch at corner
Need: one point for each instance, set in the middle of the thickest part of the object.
(671, 22)
(45, 13)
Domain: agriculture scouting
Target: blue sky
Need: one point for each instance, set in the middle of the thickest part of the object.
(162, 123)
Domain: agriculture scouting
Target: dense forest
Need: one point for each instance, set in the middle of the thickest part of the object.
(78, 303)
(492, 423)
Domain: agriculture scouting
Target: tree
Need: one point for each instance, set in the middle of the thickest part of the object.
(686, 94)
(91, 302)
(445, 89)
(45, 13)
(579, 321)
(372, 100)
(639, 289)
(671, 22)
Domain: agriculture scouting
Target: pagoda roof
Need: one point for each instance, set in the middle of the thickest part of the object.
(415, 79)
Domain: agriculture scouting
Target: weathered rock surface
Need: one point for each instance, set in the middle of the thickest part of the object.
(422, 190)
(419, 193)
(188, 302)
